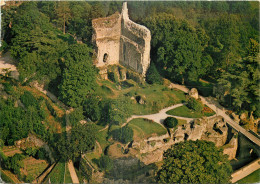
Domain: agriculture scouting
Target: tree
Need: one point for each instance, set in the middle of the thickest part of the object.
(124, 134)
(63, 14)
(170, 122)
(75, 116)
(79, 140)
(79, 75)
(92, 107)
(105, 163)
(242, 80)
(194, 162)
(194, 104)
(176, 47)
(152, 75)
(116, 111)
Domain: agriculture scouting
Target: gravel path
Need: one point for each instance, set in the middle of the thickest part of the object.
(73, 174)
(160, 116)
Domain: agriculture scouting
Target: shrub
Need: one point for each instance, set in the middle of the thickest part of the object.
(91, 107)
(194, 104)
(170, 122)
(76, 116)
(28, 99)
(105, 163)
(153, 76)
(123, 135)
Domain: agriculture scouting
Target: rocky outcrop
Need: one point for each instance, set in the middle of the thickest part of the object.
(194, 93)
(119, 40)
(230, 149)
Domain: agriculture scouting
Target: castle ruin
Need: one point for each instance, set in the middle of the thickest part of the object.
(119, 40)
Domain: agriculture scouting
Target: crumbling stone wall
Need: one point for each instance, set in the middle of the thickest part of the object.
(119, 40)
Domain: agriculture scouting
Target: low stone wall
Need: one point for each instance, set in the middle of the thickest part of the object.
(245, 171)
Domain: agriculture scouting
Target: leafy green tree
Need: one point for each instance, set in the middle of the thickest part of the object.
(115, 111)
(194, 104)
(75, 116)
(79, 140)
(79, 75)
(170, 122)
(124, 134)
(29, 100)
(153, 76)
(105, 163)
(194, 162)
(92, 107)
(63, 14)
(177, 48)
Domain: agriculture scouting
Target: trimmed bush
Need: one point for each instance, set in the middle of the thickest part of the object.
(170, 122)
(194, 104)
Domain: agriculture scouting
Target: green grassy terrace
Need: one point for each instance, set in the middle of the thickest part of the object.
(184, 111)
(144, 128)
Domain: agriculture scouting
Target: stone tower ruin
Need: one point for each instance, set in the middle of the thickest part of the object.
(119, 40)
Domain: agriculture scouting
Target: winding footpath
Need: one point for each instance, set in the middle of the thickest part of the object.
(160, 116)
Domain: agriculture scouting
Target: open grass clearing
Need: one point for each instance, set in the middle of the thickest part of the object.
(144, 128)
(184, 111)
(102, 138)
(156, 97)
(57, 174)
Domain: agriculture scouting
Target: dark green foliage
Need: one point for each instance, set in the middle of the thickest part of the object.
(123, 135)
(152, 75)
(75, 116)
(17, 122)
(177, 47)
(116, 111)
(242, 82)
(81, 139)
(194, 104)
(35, 44)
(50, 108)
(29, 100)
(79, 75)
(92, 107)
(170, 122)
(195, 162)
(105, 163)
(14, 163)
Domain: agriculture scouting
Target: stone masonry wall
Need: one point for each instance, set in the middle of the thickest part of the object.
(119, 40)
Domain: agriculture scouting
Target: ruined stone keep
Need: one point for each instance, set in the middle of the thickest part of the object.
(119, 40)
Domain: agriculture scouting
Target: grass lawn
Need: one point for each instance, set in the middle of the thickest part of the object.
(5, 178)
(101, 138)
(57, 174)
(145, 128)
(156, 97)
(251, 178)
(181, 122)
(184, 111)
(33, 167)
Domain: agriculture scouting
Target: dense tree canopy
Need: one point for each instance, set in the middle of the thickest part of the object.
(79, 140)
(79, 75)
(178, 49)
(194, 162)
